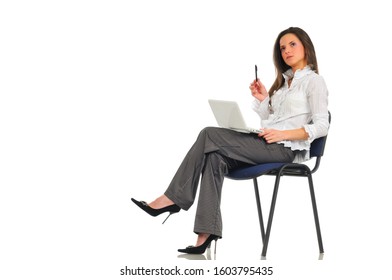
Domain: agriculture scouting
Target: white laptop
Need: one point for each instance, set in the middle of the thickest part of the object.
(228, 115)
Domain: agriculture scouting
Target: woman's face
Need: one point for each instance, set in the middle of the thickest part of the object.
(292, 51)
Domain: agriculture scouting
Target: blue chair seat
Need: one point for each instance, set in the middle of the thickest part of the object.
(254, 171)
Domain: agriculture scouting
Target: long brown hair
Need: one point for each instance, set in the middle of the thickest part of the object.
(281, 66)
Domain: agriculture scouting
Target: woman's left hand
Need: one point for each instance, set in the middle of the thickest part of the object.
(273, 135)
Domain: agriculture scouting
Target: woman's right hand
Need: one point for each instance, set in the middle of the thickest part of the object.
(258, 90)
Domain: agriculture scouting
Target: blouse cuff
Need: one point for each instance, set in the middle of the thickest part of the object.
(260, 106)
(311, 134)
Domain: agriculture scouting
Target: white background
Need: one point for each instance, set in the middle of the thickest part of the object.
(100, 101)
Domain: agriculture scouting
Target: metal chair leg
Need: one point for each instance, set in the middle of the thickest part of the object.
(259, 209)
(315, 213)
(271, 215)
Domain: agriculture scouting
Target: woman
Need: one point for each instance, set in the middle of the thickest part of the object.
(293, 113)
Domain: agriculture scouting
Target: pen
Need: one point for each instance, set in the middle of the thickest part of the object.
(256, 71)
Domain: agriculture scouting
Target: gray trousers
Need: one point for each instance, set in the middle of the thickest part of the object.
(215, 152)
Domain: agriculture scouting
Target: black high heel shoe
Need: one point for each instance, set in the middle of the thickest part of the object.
(202, 248)
(155, 212)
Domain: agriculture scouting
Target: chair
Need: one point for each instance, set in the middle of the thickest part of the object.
(278, 170)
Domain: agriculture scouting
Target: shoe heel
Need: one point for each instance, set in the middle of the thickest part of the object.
(168, 217)
(209, 245)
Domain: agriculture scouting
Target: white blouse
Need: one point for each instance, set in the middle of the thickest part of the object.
(303, 104)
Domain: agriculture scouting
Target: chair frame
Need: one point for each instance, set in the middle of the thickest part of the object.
(284, 169)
